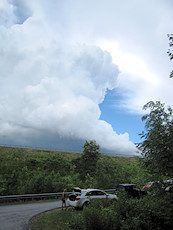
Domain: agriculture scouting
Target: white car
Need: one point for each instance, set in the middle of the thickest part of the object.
(82, 199)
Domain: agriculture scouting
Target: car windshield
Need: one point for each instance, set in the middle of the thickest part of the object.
(150, 183)
(125, 187)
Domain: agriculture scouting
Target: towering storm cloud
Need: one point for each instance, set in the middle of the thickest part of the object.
(49, 85)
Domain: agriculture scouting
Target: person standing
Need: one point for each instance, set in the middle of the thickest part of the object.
(63, 199)
(91, 185)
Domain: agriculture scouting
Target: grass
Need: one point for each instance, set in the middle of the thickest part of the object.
(29, 152)
(56, 219)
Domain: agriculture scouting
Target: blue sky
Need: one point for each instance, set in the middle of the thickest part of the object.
(77, 70)
(121, 119)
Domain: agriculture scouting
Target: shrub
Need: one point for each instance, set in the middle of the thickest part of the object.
(154, 211)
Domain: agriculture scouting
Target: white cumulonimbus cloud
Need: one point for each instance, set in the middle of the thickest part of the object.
(48, 85)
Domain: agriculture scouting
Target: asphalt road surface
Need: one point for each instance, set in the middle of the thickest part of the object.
(16, 217)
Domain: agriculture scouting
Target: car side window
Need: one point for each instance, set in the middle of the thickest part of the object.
(100, 193)
(95, 193)
(89, 193)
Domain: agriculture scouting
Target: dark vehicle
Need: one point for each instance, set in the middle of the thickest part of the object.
(131, 189)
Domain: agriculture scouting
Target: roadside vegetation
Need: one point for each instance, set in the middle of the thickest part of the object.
(152, 212)
(30, 171)
(24, 171)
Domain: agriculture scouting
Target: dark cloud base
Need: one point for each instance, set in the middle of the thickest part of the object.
(58, 143)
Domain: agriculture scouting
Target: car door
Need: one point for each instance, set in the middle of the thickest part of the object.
(100, 195)
(97, 195)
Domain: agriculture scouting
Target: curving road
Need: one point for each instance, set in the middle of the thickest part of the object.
(16, 217)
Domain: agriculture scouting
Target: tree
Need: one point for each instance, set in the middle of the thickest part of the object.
(86, 165)
(170, 53)
(108, 172)
(90, 156)
(157, 147)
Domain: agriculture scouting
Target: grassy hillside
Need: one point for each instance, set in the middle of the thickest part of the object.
(25, 171)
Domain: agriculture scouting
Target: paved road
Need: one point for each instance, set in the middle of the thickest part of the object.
(16, 217)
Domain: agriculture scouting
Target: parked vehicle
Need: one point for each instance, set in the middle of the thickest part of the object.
(131, 189)
(149, 185)
(169, 181)
(78, 201)
(169, 185)
(76, 190)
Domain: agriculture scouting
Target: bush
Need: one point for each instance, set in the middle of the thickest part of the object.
(153, 211)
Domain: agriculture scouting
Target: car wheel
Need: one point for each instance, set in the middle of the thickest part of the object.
(86, 204)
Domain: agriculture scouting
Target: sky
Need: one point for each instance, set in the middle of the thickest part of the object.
(77, 70)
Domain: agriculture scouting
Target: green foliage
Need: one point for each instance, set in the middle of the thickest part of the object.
(153, 211)
(111, 171)
(87, 163)
(91, 154)
(38, 172)
(170, 52)
(135, 173)
(88, 181)
(157, 147)
(52, 220)
(108, 173)
(96, 216)
(3, 184)
(32, 171)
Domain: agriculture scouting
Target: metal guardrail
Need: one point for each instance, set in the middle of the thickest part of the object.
(39, 196)
(32, 196)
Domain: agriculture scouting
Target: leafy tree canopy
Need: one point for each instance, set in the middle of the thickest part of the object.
(86, 164)
(91, 151)
(157, 147)
(170, 52)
